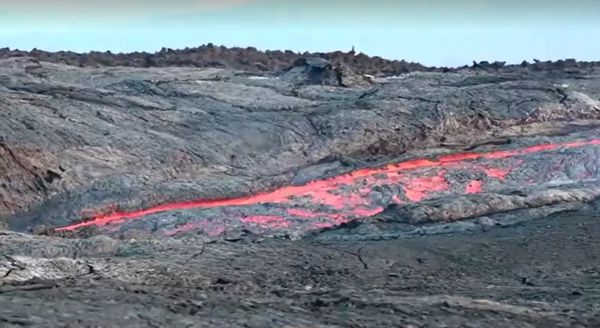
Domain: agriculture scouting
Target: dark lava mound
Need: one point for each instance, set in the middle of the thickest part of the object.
(319, 71)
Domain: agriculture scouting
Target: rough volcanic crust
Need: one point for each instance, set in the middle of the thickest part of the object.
(462, 207)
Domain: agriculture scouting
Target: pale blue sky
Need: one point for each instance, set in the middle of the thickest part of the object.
(433, 32)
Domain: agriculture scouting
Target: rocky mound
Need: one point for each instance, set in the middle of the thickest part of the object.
(319, 71)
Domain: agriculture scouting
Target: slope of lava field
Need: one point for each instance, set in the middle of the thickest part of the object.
(176, 150)
(366, 192)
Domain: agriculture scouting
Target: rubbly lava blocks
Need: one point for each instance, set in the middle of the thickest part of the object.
(366, 192)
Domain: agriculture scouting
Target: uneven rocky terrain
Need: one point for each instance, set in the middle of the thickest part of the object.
(254, 60)
(303, 197)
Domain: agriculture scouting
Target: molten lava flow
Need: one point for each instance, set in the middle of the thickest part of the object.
(355, 194)
(420, 187)
(473, 187)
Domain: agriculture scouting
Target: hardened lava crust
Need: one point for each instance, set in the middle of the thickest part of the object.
(306, 195)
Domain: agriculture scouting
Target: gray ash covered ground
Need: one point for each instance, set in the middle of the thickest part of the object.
(431, 199)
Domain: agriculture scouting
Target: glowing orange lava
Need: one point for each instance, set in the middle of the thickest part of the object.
(473, 187)
(329, 193)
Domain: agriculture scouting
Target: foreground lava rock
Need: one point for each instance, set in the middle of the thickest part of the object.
(168, 179)
(537, 274)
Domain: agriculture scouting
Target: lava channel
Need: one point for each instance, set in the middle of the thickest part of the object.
(363, 192)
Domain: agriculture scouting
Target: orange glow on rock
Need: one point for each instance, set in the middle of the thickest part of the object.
(474, 187)
(418, 189)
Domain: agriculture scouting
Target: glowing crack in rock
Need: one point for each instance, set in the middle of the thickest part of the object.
(360, 193)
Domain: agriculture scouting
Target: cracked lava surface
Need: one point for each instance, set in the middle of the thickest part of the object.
(363, 192)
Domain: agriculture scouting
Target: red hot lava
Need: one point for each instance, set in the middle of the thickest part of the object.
(350, 195)
(473, 187)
